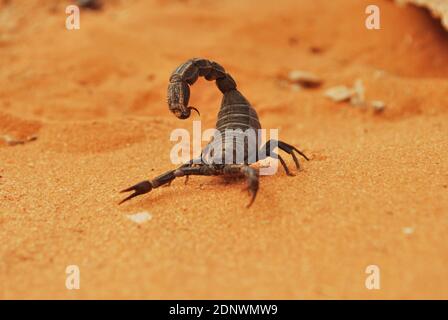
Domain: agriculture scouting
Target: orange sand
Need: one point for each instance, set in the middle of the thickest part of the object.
(95, 98)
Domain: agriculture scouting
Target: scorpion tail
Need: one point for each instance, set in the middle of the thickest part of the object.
(186, 75)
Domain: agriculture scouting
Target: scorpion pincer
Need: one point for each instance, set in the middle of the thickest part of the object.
(235, 114)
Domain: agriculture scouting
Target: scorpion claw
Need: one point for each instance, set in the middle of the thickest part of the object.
(139, 189)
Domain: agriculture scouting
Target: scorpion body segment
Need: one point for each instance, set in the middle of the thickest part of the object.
(237, 127)
(236, 115)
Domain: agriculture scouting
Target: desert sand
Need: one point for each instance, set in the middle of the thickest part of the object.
(374, 193)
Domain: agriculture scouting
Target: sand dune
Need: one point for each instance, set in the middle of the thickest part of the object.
(374, 192)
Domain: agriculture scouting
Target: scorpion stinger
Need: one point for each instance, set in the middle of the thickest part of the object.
(193, 108)
(236, 116)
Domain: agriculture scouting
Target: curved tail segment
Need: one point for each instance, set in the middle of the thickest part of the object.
(186, 74)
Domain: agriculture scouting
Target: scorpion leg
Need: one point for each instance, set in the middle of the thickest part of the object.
(253, 182)
(290, 149)
(269, 147)
(188, 176)
(275, 155)
(252, 176)
(193, 163)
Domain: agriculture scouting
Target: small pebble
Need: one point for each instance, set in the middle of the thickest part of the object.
(339, 93)
(304, 78)
(355, 95)
(378, 74)
(13, 141)
(90, 4)
(378, 106)
(140, 217)
(358, 98)
(316, 50)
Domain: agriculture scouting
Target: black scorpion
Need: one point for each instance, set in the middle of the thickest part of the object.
(235, 113)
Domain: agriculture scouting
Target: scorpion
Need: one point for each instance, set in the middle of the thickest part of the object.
(235, 113)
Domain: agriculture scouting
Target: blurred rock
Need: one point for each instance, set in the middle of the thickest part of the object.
(358, 97)
(339, 93)
(378, 105)
(11, 141)
(438, 8)
(140, 217)
(304, 79)
(90, 4)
